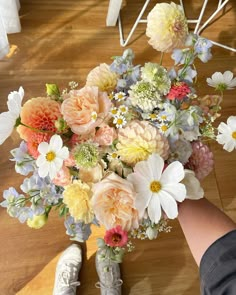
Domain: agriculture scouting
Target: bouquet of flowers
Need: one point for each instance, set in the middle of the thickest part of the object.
(125, 148)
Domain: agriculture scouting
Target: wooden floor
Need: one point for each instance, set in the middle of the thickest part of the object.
(62, 41)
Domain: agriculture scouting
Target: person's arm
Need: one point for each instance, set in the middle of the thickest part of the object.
(202, 224)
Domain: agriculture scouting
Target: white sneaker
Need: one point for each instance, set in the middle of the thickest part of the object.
(109, 276)
(68, 267)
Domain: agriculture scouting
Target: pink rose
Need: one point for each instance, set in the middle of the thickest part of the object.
(113, 203)
(63, 177)
(105, 135)
(79, 106)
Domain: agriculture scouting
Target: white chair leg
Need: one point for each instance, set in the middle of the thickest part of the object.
(124, 42)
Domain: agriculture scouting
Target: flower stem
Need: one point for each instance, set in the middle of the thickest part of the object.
(35, 129)
(161, 59)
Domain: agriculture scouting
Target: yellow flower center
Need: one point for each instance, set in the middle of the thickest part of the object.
(116, 238)
(114, 111)
(163, 117)
(123, 109)
(153, 116)
(234, 135)
(114, 155)
(50, 156)
(155, 186)
(120, 96)
(119, 121)
(110, 96)
(164, 128)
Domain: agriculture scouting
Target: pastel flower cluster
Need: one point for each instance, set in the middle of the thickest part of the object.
(125, 148)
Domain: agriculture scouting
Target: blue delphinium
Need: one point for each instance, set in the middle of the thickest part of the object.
(202, 49)
(123, 66)
(79, 231)
(24, 162)
(15, 204)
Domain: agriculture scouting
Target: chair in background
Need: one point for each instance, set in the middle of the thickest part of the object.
(114, 11)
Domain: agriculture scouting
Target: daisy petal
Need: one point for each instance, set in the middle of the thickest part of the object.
(43, 148)
(56, 142)
(168, 205)
(230, 145)
(157, 164)
(223, 128)
(154, 209)
(231, 121)
(43, 170)
(141, 202)
(173, 173)
(176, 190)
(52, 170)
(227, 76)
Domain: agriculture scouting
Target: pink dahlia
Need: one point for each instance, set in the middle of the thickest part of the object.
(201, 160)
(179, 90)
(116, 237)
(41, 114)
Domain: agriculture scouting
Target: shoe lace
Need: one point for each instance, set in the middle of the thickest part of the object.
(67, 277)
(109, 277)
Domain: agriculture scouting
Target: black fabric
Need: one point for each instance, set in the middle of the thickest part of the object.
(218, 267)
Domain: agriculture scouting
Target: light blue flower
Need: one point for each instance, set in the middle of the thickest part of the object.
(187, 75)
(203, 49)
(24, 162)
(79, 231)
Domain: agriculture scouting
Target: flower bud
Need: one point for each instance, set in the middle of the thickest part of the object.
(151, 233)
(38, 221)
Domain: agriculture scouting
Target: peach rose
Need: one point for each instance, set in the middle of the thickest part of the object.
(113, 203)
(63, 177)
(105, 135)
(79, 106)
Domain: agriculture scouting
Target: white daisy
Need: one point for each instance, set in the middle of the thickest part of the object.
(51, 157)
(157, 190)
(227, 134)
(123, 109)
(114, 111)
(8, 119)
(120, 96)
(94, 116)
(222, 81)
(119, 121)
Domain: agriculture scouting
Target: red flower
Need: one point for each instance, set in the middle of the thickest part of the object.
(116, 237)
(179, 90)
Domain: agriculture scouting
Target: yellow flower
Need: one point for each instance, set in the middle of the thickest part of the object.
(38, 221)
(103, 78)
(77, 197)
(167, 27)
(139, 140)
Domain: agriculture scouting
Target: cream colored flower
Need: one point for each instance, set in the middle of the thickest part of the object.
(103, 78)
(113, 203)
(166, 27)
(139, 140)
(77, 197)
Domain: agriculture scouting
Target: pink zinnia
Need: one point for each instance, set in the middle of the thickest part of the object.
(179, 90)
(116, 237)
(201, 160)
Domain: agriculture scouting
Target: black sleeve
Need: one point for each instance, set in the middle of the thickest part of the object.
(218, 267)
